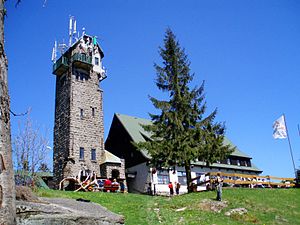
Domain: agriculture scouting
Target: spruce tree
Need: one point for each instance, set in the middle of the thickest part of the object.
(181, 134)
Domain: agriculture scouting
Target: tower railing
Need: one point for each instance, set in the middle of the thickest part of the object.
(81, 57)
(60, 66)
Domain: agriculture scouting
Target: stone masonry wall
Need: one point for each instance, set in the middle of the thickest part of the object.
(86, 130)
(78, 121)
(107, 168)
(61, 127)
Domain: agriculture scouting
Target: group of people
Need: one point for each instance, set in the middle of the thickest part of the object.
(218, 184)
(108, 185)
(171, 188)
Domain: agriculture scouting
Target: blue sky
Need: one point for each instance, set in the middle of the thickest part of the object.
(248, 53)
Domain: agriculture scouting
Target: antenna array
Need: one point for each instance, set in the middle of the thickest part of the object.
(73, 34)
(72, 30)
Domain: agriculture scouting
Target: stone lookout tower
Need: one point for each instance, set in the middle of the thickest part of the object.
(79, 130)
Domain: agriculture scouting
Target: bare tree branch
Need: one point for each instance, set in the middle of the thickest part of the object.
(45, 2)
(20, 114)
(17, 3)
(30, 148)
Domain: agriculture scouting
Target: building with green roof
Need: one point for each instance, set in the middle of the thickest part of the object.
(126, 130)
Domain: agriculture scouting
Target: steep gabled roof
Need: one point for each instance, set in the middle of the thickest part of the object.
(134, 129)
(236, 152)
(136, 132)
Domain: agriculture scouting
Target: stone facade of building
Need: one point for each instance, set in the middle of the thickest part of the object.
(79, 128)
(113, 170)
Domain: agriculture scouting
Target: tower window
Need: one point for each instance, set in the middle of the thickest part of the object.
(96, 61)
(81, 114)
(62, 80)
(80, 74)
(93, 111)
(81, 153)
(93, 154)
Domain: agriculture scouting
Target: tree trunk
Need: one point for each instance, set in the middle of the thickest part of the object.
(7, 185)
(188, 176)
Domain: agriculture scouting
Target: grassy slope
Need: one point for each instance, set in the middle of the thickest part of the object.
(265, 206)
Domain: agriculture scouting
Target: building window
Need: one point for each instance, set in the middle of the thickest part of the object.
(224, 161)
(181, 177)
(200, 177)
(63, 80)
(96, 61)
(81, 153)
(93, 154)
(228, 161)
(163, 177)
(93, 111)
(81, 114)
(233, 161)
(80, 74)
(243, 163)
(248, 162)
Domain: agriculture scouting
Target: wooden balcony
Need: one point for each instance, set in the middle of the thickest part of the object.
(60, 66)
(81, 60)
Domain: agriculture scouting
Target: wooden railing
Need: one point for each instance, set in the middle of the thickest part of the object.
(236, 179)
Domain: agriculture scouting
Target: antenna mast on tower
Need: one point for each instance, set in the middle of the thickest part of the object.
(72, 29)
(54, 52)
(73, 35)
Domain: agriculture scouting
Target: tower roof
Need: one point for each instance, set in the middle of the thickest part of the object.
(84, 36)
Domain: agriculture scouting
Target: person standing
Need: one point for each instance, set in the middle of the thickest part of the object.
(122, 187)
(219, 184)
(171, 189)
(177, 187)
(155, 180)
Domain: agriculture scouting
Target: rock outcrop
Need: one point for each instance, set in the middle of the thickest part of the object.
(57, 211)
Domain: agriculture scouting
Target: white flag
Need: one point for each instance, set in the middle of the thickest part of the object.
(279, 129)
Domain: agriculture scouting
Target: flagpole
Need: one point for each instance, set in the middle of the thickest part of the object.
(288, 136)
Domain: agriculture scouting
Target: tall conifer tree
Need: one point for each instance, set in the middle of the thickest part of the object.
(180, 133)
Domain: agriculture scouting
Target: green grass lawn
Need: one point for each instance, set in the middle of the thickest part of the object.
(265, 206)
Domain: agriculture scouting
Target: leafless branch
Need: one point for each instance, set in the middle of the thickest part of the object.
(20, 114)
(45, 2)
(30, 147)
(17, 3)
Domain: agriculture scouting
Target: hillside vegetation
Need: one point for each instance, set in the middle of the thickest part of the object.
(264, 206)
